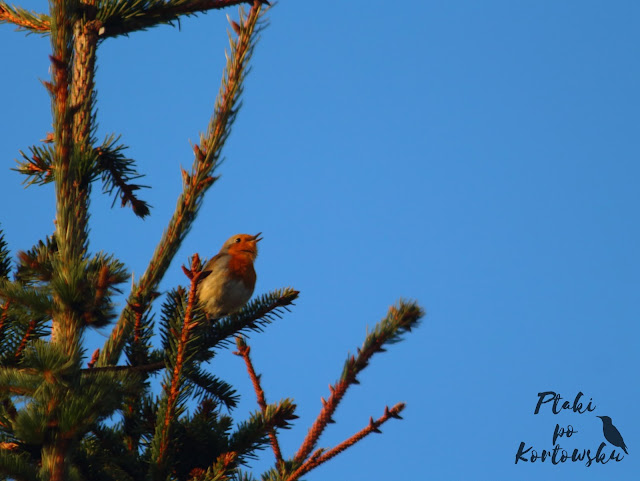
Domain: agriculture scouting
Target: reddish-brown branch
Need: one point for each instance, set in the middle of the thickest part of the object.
(3, 317)
(353, 366)
(61, 92)
(243, 351)
(321, 456)
(85, 41)
(137, 326)
(173, 390)
(325, 417)
(25, 339)
(71, 194)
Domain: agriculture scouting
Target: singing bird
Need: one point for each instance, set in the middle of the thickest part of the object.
(612, 434)
(231, 279)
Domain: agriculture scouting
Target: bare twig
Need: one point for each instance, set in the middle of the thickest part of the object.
(243, 351)
(321, 456)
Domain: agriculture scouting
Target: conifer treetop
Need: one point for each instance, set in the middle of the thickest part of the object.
(68, 415)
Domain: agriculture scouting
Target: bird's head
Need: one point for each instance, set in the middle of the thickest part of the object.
(605, 419)
(242, 244)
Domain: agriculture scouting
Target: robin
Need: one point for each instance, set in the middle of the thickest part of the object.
(231, 279)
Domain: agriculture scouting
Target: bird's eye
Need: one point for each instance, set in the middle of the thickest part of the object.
(237, 240)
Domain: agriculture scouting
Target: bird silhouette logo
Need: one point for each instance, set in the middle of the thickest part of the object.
(611, 433)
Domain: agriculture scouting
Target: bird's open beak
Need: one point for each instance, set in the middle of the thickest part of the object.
(257, 237)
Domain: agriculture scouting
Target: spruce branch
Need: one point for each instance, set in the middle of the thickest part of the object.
(4, 315)
(20, 329)
(254, 433)
(35, 265)
(240, 475)
(83, 96)
(5, 260)
(18, 382)
(174, 392)
(127, 16)
(195, 183)
(17, 465)
(243, 351)
(24, 19)
(138, 348)
(5, 270)
(257, 314)
(117, 173)
(107, 161)
(101, 456)
(249, 436)
(321, 456)
(212, 387)
(142, 368)
(47, 360)
(254, 316)
(71, 166)
(62, 16)
(37, 165)
(222, 469)
(103, 273)
(400, 319)
(34, 299)
(199, 440)
(139, 333)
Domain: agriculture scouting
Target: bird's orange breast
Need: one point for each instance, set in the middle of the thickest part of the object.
(241, 267)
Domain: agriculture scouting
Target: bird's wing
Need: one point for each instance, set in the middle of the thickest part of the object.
(216, 263)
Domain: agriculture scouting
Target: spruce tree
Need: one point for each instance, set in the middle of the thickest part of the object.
(66, 414)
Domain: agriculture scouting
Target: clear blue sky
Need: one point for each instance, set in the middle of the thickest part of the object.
(480, 157)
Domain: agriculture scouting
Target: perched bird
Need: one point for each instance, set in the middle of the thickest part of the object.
(231, 279)
(611, 433)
